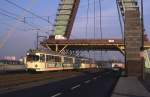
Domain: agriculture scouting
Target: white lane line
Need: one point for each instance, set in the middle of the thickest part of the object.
(95, 78)
(87, 81)
(74, 87)
(58, 94)
(107, 72)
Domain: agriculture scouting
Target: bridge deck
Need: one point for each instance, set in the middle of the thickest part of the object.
(87, 44)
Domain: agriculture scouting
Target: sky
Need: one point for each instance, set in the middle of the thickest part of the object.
(16, 37)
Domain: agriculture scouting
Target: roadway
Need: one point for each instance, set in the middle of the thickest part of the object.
(99, 84)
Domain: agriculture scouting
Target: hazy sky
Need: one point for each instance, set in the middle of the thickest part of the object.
(17, 37)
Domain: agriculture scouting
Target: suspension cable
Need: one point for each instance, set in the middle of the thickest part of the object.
(94, 24)
(94, 19)
(100, 26)
(120, 21)
(87, 22)
(100, 19)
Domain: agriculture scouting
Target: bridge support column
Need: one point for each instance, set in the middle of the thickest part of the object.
(133, 43)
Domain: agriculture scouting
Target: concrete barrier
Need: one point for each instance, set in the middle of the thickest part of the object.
(11, 67)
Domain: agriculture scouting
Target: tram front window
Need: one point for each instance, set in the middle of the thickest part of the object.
(32, 58)
(42, 57)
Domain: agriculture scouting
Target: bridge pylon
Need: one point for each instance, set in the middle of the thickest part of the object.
(133, 36)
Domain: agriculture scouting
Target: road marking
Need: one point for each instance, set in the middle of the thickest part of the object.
(74, 87)
(108, 72)
(58, 94)
(87, 81)
(95, 78)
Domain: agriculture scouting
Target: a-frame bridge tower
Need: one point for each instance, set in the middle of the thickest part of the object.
(132, 43)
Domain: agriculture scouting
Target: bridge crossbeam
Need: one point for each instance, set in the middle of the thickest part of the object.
(90, 44)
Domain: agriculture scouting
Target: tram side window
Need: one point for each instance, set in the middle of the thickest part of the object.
(53, 58)
(77, 60)
(65, 59)
(57, 59)
(32, 58)
(85, 61)
(48, 58)
(42, 57)
(68, 60)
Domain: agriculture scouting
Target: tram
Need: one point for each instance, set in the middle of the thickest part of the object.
(37, 60)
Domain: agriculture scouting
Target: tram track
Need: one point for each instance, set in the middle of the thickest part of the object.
(71, 87)
(18, 79)
(12, 80)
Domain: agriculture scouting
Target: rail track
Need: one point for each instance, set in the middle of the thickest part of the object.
(12, 80)
(24, 78)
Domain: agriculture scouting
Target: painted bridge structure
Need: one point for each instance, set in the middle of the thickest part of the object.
(131, 46)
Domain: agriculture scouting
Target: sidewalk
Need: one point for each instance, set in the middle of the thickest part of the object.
(129, 87)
